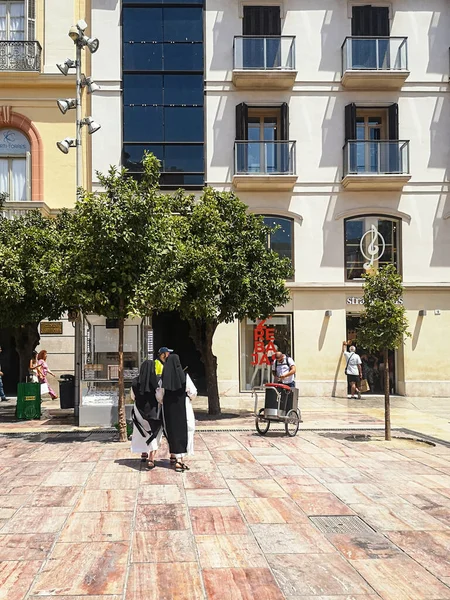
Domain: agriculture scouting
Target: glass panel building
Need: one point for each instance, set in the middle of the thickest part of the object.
(162, 64)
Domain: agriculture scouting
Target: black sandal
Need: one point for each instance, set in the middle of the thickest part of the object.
(144, 457)
(151, 464)
(181, 466)
(172, 460)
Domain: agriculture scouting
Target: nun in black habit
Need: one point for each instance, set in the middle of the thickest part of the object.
(174, 410)
(146, 414)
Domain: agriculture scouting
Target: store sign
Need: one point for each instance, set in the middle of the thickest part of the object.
(51, 328)
(13, 142)
(372, 247)
(359, 300)
(263, 344)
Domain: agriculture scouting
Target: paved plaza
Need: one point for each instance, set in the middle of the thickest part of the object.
(79, 516)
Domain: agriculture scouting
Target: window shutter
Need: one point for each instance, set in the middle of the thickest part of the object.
(361, 20)
(241, 121)
(262, 20)
(350, 122)
(380, 21)
(393, 122)
(28, 175)
(31, 20)
(284, 121)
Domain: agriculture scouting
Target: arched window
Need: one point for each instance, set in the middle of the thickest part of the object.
(281, 240)
(370, 241)
(15, 165)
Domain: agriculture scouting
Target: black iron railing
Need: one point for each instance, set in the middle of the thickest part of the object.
(20, 56)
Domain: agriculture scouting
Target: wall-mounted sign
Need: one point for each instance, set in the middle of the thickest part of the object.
(13, 142)
(359, 300)
(51, 328)
(372, 247)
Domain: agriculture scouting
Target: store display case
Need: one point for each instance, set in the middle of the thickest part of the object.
(99, 386)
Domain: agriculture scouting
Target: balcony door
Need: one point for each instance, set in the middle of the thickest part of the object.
(261, 50)
(370, 22)
(264, 130)
(372, 135)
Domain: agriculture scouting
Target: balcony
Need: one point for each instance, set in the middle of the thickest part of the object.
(20, 56)
(13, 209)
(264, 166)
(376, 165)
(374, 63)
(264, 62)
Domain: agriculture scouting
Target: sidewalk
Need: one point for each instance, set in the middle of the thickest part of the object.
(319, 516)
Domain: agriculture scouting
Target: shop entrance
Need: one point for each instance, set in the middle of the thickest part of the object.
(170, 330)
(9, 360)
(372, 363)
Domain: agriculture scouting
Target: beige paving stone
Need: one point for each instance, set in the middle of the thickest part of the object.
(163, 546)
(431, 549)
(401, 579)
(154, 517)
(215, 497)
(16, 578)
(55, 496)
(158, 581)
(113, 481)
(97, 527)
(291, 538)
(271, 510)
(85, 569)
(396, 517)
(37, 520)
(107, 500)
(216, 520)
(25, 546)
(364, 546)
(256, 488)
(209, 481)
(228, 551)
(159, 494)
(321, 504)
(241, 584)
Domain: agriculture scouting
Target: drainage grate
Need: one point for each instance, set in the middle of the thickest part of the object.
(345, 525)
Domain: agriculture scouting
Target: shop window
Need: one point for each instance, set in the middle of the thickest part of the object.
(371, 242)
(259, 340)
(15, 165)
(17, 20)
(281, 240)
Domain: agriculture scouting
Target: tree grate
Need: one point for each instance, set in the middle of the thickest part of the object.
(341, 525)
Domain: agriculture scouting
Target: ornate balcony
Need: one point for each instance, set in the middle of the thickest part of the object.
(20, 56)
(12, 209)
(370, 63)
(264, 166)
(376, 165)
(264, 62)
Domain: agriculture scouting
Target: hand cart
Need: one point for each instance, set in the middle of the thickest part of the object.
(280, 406)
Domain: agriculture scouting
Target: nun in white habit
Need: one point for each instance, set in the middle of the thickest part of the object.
(146, 414)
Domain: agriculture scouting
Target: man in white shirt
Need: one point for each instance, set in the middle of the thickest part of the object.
(283, 368)
(352, 370)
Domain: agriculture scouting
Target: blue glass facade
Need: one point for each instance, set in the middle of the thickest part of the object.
(163, 82)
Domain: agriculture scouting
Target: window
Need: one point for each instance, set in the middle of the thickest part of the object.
(261, 20)
(281, 240)
(258, 343)
(15, 165)
(163, 88)
(372, 137)
(370, 21)
(17, 20)
(370, 242)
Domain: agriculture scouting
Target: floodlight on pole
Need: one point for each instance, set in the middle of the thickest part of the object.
(67, 104)
(91, 86)
(65, 144)
(66, 65)
(91, 125)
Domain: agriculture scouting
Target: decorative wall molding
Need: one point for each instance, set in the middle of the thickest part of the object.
(276, 212)
(373, 210)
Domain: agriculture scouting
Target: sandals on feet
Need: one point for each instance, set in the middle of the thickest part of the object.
(181, 466)
(144, 457)
(151, 464)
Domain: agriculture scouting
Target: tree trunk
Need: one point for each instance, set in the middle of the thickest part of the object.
(26, 339)
(387, 400)
(123, 437)
(202, 333)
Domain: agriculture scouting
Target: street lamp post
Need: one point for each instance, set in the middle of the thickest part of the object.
(76, 33)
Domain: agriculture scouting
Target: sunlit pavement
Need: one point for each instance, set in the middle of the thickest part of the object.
(327, 515)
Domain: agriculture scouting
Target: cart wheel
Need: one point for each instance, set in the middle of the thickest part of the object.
(261, 426)
(292, 423)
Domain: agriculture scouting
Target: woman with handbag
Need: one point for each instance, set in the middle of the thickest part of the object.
(42, 372)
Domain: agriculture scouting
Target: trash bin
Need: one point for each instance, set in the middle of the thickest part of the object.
(28, 401)
(67, 391)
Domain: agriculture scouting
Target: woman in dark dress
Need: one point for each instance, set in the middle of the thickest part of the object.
(174, 411)
(147, 424)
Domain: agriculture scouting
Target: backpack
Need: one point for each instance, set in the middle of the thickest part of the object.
(285, 362)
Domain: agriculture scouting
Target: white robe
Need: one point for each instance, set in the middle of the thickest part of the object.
(191, 394)
(138, 442)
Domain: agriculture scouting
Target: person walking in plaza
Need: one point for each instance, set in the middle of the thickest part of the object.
(42, 373)
(146, 414)
(162, 355)
(352, 370)
(3, 398)
(34, 368)
(174, 411)
(283, 368)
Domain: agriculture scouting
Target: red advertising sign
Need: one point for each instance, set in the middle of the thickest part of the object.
(263, 344)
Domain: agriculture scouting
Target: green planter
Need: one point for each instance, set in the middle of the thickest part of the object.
(28, 401)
